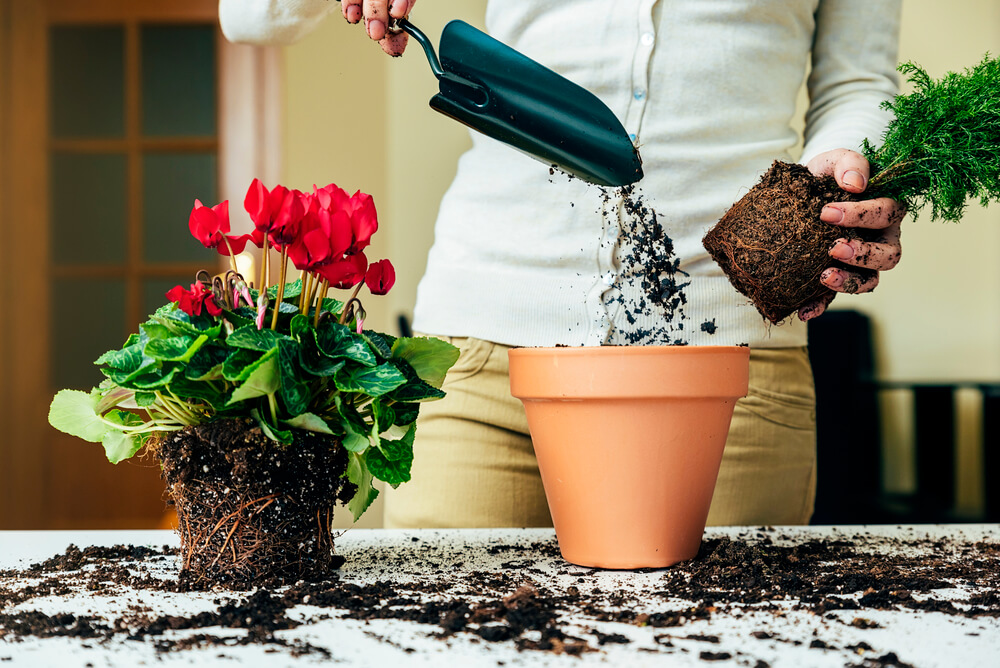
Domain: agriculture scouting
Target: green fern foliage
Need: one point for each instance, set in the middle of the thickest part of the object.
(943, 146)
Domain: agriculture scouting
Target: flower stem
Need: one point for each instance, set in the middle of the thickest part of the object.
(281, 288)
(262, 286)
(307, 281)
(319, 302)
(232, 256)
(313, 286)
(273, 403)
(353, 297)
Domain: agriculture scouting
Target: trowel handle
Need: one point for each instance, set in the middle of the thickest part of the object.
(404, 25)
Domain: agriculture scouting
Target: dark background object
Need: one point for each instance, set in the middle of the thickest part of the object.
(848, 439)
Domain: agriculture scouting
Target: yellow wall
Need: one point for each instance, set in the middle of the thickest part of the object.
(361, 120)
(936, 316)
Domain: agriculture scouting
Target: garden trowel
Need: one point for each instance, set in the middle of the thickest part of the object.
(502, 93)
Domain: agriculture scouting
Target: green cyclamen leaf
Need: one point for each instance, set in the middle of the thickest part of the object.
(273, 433)
(293, 390)
(354, 440)
(195, 389)
(415, 389)
(292, 290)
(372, 381)
(143, 399)
(316, 363)
(127, 359)
(430, 358)
(156, 330)
(207, 363)
(383, 416)
(118, 445)
(401, 449)
(180, 322)
(255, 339)
(263, 381)
(309, 422)
(240, 364)
(393, 472)
(74, 412)
(406, 413)
(380, 343)
(358, 473)
(174, 349)
(337, 341)
(299, 326)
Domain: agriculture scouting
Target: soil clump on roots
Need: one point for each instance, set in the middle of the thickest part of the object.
(251, 511)
(772, 244)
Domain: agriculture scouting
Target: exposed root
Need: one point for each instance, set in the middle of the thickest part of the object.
(274, 502)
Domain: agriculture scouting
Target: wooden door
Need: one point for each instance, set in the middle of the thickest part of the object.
(116, 116)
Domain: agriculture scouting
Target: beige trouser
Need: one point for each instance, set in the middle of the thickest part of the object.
(474, 465)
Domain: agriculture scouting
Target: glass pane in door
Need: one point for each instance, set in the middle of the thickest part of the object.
(88, 319)
(171, 183)
(88, 196)
(87, 81)
(178, 81)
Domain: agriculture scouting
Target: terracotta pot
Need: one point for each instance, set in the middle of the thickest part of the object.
(629, 442)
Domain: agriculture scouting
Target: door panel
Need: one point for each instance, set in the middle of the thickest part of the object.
(110, 129)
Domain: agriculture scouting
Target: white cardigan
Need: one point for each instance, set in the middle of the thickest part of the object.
(707, 87)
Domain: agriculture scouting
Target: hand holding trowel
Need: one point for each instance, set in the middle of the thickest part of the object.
(502, 93)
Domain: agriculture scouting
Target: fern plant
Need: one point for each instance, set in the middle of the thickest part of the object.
(943, 146)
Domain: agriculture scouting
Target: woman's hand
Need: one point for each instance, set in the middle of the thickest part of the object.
(377, 15)
(852, 171)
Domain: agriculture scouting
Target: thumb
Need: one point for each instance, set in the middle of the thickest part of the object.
(849, 168)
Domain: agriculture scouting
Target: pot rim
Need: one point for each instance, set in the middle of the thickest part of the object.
(627, 350)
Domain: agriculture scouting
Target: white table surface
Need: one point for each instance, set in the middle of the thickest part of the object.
(919, 638)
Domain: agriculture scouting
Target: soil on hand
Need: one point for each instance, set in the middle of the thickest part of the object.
(772, 244)
(251, 511)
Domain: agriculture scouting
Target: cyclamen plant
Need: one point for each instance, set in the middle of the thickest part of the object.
(286, 355)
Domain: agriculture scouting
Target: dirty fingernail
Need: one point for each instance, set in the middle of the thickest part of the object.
(376, 29)
(832, 278)
(353, 14)
(398, 8)
(855, 180)
(842, 250)
(831, 214)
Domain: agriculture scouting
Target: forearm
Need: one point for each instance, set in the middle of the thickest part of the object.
(853, 72)
(272, 22)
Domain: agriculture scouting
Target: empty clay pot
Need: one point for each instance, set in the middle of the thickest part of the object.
(629, 442)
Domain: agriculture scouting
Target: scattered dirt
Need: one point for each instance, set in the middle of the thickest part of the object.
(772, 244)
(650, 281)
(520, 605)
(251, 512)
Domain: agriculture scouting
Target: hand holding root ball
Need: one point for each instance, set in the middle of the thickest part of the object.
(377, 15)
(851, 170)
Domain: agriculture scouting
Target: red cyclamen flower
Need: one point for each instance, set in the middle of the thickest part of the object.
(380, 277)
(191, 301)
(210, 226)
(275, 213)
(360, 210)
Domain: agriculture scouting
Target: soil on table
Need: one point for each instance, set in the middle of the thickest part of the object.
(772, 244)
(251, 511)
(838, 582)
